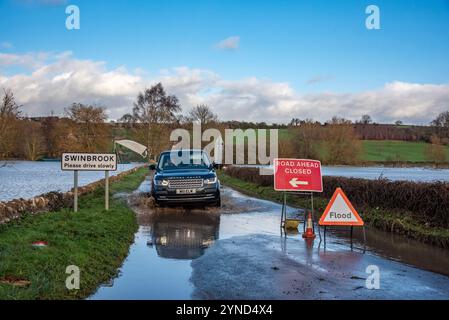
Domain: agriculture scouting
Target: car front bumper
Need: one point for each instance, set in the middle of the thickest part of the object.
(201, 195)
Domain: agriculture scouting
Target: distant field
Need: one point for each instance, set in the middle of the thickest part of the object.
(372, 150)
(390, 150)
(384, 150)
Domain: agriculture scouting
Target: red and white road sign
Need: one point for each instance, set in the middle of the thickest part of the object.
(297, 175)
(340, 212)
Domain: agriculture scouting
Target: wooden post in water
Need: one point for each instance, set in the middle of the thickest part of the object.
(75, 191)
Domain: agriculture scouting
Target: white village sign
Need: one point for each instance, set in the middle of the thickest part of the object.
(75, 162)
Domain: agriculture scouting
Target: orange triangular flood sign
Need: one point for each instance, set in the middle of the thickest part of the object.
(340, 212)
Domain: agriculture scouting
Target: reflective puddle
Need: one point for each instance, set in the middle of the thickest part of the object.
(159, 264)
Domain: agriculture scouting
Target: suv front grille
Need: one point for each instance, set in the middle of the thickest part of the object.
(185, 183)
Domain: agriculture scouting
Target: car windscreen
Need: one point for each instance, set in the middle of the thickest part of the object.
(183, 160)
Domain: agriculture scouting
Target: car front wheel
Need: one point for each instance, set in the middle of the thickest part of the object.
(218, 203)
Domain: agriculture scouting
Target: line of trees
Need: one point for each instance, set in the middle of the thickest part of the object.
(83, 130)
(334, 143)
(367, 129)
(156, 113)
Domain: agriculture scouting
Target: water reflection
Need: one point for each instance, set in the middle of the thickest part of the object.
(183, 235)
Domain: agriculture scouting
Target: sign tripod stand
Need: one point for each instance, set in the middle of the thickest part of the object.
(284, 212)
(351, 237)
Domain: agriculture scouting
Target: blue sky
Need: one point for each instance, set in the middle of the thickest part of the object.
(315, 47)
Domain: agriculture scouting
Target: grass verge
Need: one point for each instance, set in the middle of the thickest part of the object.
(93, 239)
(387, 220)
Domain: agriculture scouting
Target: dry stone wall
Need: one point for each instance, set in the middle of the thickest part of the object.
(51, 201)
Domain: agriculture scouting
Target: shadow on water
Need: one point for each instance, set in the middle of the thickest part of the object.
(183, 235)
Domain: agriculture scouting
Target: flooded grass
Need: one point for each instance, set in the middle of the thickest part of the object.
(95, 240)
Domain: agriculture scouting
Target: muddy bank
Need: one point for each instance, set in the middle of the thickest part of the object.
(259, 267)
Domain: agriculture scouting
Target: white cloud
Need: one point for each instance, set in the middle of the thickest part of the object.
(231, 43)
(55, 80)
(27, 60)
(6, 45)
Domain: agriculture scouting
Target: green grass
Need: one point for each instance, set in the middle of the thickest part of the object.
(390, 150)
(387, 220)
(95, 240)
(382, 150)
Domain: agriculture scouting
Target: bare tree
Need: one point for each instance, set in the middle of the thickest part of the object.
(127, 119)
(33, 145)
(152, 111)
(341, 143)
(436, 151)
(9, 115)
(203, 114)
(337, 121)
(306, 139)
(88, 127)
(366, 119)
(295, 122)
(442, 121)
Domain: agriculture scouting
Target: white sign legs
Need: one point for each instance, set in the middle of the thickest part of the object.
(75, 191)
(106, 190)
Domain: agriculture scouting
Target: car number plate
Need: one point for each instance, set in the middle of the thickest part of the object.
(185, 191)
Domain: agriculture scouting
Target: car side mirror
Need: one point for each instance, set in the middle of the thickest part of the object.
(215, 165)
(152, 167)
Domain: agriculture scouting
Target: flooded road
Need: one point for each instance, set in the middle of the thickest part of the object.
(416, 174)
(236, 252)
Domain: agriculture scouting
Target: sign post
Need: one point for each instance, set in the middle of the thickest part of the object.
(75, 190)
(89, 162)
(106, 190)
(302, 176)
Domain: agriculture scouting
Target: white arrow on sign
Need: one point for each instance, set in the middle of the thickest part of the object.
(295, 183)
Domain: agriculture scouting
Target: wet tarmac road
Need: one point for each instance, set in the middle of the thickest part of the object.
(236, 252)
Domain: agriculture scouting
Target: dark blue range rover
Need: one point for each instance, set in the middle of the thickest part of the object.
(185, 177)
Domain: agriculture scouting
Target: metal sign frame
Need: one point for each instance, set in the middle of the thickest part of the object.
(284, 211)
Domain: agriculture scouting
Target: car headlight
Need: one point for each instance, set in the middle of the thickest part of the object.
(210, 180)
(163, 183)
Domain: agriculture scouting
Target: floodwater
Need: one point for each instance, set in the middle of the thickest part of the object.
(26, 179)
(417, 174)
(237, 251)
(412, 174)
